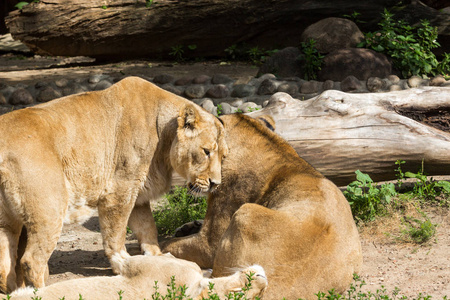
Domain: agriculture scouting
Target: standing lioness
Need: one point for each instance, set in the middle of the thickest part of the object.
(102, 149)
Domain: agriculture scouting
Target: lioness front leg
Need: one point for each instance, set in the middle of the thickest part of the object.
(142, 223)
(113, 221)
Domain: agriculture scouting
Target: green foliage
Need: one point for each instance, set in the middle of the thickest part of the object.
(354, 17)
(181, 208)
(419, 231)
(410, 48)
(22, 4)
(178, 52)
(254, 54)
(444, 65)
(367, 200)
(427, 189)
(175, 292)
(148, 3)
(219, 110)
(313, 59)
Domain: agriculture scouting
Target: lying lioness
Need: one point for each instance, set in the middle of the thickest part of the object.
(137, 278)
(61, 159)
(276, 210)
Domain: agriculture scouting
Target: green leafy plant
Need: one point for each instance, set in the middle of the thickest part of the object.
(444, 66)
(177, 52)
(410, 48)
(313, 59)
(22, 4)
(354, 17)
(148, 3)
(366, 199)
(418, 230)
(182, 207)
(219, 110)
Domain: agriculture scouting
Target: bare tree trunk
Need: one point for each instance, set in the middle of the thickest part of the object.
(339, 132)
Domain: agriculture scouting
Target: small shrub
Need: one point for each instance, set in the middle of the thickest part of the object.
(419, 231)
(366, 199)
(313, 59)
(410, 48)
(181, 208)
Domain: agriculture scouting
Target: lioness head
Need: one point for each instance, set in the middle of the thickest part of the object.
(198, 149)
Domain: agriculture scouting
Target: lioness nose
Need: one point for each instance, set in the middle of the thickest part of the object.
(213, 184)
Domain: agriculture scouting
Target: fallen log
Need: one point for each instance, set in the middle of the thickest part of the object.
(339, 133)
(115, 29)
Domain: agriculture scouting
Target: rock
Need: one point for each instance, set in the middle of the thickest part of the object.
(103, 84)
(393, 79)
(208, 105)
(284, 63)
(243, 90)
(290, 88)
(7, 92)
(2, 99)
(163, 79)
(351, 83)
(328, 85)
(95, 78)
(201, 79)
(395, 87)
(361, 63)
(48, 93)
(218, 91)
(375, 84)
(268, 87)
(236, 103)
(248, 107)
(416, 81)
(73, 88)
(61, 82)
(184, 80)
(310, 87)
(437, 81)
(195, 91)
(174, 90)
(21, 97)
(224, 109)
(333, 34)
(220, 79)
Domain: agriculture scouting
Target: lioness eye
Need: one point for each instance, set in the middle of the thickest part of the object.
(206, 152)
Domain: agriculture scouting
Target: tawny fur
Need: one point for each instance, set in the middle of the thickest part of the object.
(276, 210)
(111, 150)
(137, 278)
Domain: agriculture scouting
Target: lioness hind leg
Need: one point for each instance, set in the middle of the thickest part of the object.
(143, 225)
(9, 238)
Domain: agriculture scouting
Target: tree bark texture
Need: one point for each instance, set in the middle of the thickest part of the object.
(115, 29)
(339, 133)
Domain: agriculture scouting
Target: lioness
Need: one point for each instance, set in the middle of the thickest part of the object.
(113, 150)
(137, 278)
(276, 210)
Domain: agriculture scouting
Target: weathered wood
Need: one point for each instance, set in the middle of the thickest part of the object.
(339, 132)
(126, 28)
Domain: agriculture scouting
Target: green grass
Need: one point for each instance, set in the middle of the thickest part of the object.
(181, 208)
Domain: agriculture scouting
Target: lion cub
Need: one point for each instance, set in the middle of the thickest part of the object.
(138, 276)
(111, 150)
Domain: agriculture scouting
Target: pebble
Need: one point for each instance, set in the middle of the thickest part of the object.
(195, 91)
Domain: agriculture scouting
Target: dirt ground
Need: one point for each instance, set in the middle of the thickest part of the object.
(413, 269)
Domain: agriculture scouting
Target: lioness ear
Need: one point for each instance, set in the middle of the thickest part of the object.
(188, 119)
(267, 121)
